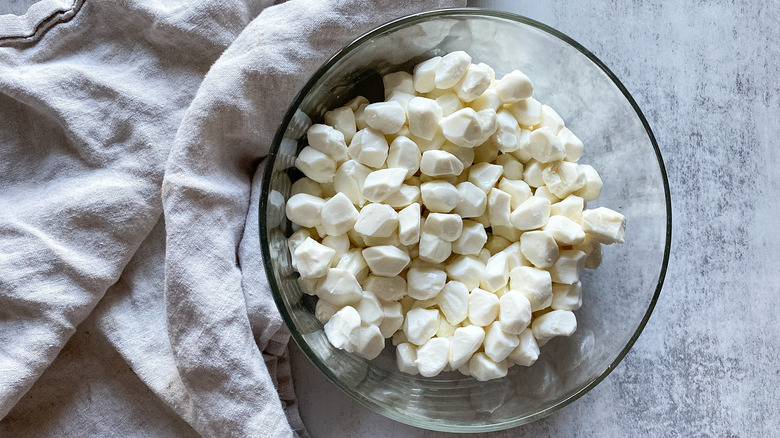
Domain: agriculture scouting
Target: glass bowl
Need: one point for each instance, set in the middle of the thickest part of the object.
(618, 297)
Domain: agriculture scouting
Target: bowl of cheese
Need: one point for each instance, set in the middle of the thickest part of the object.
(465, 220)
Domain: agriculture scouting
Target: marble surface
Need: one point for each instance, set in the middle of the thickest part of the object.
(708, 362)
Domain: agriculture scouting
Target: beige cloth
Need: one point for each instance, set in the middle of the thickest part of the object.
(128, 209)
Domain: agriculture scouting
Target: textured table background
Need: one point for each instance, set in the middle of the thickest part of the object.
(708, 363)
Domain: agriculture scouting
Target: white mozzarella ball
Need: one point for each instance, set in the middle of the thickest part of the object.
(564, 230)
(353, 262)
(453, 301)
(465, 155)
(439, 196)
(433, 249)
(329, 141)
(449, 103)
(296, 239)
(518, 190)
(532, 173)
(446, 226)
(440, 163)
(338, 215)
(496, 243)
(356, 102)
(385, 117)
(306, 185)
(472, 238)
(567, 296)
(474, 82)
(507, 135)
(313, 258)
(386, 260)
(402, 99)
(485, 175)
(404, 197)
(385, 288)
(483, 307)
(571, 144)
(571, 207)
(551, 119)
(472, 200)
(425, 74)
(349, 179)
(409, 224)
(488, 100)
(495, 276)
(535, 284)
(369, 147)
(367, 341)
(482, 368)
(607, 226)
(464, 343)
(398, 81)
(563, 178)
(514, 87)
(531, 214)
(592, 188)
(340, 288)
(544, 146)
(360, 121)
(539, 248)
(424, 117)
(393, 318)
(523, 145)
(514, 312)
(376, 220)
(568, 267)
(392, 239)
(498, 343)
(304, 210)
(382, 183)
(527, 351)
(469, 128)
(450, 68)
(340, 327)
(343, 120)
(446, 329)
(592, 249)
(552, 324)
(370, 309)
(510, 233)
(404, 153)
(499, 207)
(513, 168)
(406, 358)
(425, 283)
(316, 165)
(514, 257)
(420, 325)
(433, 356)
(340, 243)
(309, 285)
(528, 112)
(467, 270)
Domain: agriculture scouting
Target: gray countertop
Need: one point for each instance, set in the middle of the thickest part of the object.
(708, 363)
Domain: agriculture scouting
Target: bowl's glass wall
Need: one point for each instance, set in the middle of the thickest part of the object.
(616, 297)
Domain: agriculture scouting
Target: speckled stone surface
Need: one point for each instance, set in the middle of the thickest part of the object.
(706, 75)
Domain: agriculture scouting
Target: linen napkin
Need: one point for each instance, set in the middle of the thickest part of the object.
(128, 204)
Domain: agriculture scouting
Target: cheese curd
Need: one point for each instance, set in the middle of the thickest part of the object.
(450, 217)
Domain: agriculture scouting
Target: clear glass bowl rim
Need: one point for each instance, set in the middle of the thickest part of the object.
(267, 260)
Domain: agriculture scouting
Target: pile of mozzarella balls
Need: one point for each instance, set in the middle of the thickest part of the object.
(451, 218)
